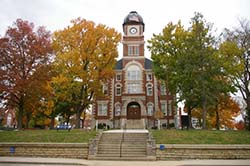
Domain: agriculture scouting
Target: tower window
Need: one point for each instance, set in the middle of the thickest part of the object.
(133, 50)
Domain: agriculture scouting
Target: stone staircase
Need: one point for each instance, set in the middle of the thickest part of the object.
(123, 146)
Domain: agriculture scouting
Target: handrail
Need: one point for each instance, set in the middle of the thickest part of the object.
(123, 132)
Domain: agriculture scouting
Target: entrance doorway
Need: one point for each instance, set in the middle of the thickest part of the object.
(133, 111)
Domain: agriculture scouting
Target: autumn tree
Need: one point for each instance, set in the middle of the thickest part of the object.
(236, 48)
(223, 114)
(25, 56)
(85, 57)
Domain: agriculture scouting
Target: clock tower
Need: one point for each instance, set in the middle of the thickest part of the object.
(133, 39)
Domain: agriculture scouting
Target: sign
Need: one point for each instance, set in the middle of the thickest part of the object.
(12, 149)
(162, 147)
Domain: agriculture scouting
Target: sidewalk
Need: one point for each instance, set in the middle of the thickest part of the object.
(63, 161)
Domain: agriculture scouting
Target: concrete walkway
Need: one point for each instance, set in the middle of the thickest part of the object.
(62, 161)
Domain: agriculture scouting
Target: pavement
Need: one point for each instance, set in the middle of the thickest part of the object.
(21, 161)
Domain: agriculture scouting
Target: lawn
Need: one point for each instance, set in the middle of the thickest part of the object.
(161, 136)
(201, 137)
(48, 136)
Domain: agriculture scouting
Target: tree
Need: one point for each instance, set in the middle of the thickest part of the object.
(188, 61)
(236, 47)
(224, 113)
(85, 57)
(25, 56)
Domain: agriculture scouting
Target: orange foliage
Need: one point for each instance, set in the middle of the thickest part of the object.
(225, 113)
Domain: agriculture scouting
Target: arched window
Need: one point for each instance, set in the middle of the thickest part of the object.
(150, 109)
(134, 79)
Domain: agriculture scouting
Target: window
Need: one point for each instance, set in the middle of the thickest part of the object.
(149, 90)
(102, 109)
(133, 50)
(117, 110)
(134, 88)
(163, 108)
(118, 90)
(134, 75)
(163, 89)
(134, 79)
(118, 77)
(149, 77)
(105, 89)
(150, 109)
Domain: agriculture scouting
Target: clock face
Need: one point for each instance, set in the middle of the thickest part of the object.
(133, 30)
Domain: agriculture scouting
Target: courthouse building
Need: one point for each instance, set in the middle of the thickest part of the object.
(134, 98)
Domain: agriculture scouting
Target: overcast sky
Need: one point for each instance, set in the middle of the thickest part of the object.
(56, 14)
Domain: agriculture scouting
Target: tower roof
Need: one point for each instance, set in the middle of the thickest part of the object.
(133, 17)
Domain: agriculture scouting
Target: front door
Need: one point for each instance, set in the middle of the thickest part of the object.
(133, 111)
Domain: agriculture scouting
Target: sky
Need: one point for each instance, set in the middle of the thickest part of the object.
(56, 14)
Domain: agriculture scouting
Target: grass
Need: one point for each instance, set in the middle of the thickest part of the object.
(201, 137)
(161, 136)
(47, 136)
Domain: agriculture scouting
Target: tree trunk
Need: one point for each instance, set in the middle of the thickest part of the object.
(189, 118)
(78, 117)
(204, 108)
(27, 120)
(248, 114)
(20, 113)
(52, 122)
(217, 120)
(83, 120)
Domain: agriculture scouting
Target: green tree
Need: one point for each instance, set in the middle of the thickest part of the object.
(85, 57)
(189, 62)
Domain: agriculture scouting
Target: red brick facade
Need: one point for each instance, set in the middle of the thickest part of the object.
(134, 92)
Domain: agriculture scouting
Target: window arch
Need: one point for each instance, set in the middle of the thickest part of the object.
(133, 79)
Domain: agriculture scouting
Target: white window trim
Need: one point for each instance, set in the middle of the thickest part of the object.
(152, 111)
(116, 87)
(102, 103)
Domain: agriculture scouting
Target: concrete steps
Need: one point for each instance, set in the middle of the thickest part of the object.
(123, 146)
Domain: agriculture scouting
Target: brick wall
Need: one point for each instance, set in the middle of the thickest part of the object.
(168, 152)
(64, 150)
(179, 152)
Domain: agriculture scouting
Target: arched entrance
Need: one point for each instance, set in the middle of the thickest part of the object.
(133, 111)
